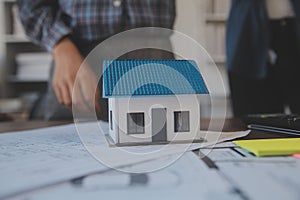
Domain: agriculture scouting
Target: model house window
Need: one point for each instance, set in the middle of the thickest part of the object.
(182, 121)
(135, 123)
(111, 120)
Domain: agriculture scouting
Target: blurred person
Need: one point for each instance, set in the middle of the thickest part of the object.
(70, 29)
(263, 51)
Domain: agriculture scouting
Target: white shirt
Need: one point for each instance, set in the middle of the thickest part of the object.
(278, 9)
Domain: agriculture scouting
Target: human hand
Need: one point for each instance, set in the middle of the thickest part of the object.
(71, 86)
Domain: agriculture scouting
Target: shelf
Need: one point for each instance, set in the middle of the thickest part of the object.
(16, 79)
(216, 18)
(221, 59)
(11, 105)
(8, 1)
(218, 60)
(15, 39)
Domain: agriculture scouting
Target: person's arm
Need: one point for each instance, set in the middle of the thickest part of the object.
(68, 60)
(43, 24)
(42, 21)
(67, 63)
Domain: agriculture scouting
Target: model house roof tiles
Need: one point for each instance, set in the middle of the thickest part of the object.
(124, 78)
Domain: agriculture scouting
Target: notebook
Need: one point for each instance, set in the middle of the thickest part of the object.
(271, 147)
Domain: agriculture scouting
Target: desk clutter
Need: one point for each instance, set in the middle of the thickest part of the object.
(52, 163)
(55, 158)
(288, 124)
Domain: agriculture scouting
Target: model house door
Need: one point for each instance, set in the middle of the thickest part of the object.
(159, 124)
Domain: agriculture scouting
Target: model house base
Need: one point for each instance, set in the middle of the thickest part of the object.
(111, 142)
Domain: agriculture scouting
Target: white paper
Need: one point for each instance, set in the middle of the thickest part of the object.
(117, 157)
(265, 180)
(222, 145)
(188, 178)
(258, 177)
(38, 158)
(221, 154)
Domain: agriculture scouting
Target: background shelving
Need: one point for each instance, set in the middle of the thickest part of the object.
(18, 83)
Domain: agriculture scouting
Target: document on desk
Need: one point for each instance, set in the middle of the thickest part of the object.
(31, 159)
(258, 177)
(188, 178)
(38, 158)
(265, 180)
(120, 156)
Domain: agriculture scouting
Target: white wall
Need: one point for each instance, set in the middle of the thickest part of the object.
(2, 50)
(191, 18)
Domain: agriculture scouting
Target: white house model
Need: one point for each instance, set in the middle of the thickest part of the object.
(153, 101)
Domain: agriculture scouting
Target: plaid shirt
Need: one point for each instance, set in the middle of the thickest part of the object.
(47, 21)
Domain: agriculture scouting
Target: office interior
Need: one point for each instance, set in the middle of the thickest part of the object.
(237, 158)
(24, 68)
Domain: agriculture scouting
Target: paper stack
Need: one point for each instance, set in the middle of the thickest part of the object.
(33, 66)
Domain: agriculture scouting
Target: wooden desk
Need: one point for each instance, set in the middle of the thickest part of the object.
(230, 125)
(19, 126)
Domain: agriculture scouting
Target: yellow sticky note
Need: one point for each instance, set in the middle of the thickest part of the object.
(271, 147)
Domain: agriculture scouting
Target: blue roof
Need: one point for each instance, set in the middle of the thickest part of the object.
(124, 78)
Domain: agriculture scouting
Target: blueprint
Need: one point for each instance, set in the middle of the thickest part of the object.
(262, 180)
(36, 158)
(39, 158)
(188, 178)
(258, 177)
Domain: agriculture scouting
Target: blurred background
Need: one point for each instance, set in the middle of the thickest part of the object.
(24, 66)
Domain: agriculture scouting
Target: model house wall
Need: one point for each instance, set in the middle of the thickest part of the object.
(159, 115)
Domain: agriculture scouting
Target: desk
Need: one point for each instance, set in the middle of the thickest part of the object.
(230, 125)
(19, 126)
(228, 175)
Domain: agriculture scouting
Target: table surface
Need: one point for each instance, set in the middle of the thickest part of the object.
(229, 125)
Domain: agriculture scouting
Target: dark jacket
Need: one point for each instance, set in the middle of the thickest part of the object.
(247, 37)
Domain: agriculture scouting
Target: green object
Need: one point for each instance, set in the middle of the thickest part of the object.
(271, 147)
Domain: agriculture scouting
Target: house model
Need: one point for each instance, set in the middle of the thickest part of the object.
(153, 101)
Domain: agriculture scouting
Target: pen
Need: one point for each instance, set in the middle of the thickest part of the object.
(274, 129)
